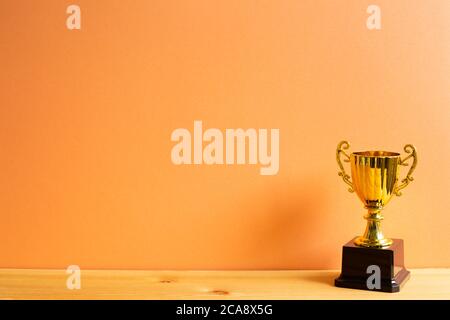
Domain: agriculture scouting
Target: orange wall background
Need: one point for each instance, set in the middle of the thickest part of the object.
(86, 116)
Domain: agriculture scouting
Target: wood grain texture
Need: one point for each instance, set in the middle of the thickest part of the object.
(126, 284)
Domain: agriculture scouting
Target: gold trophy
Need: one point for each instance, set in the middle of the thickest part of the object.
(374, 178)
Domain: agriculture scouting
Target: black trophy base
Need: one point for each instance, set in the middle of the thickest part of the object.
(356, 260)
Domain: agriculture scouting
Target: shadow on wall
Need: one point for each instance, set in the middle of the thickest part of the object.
(290, 233)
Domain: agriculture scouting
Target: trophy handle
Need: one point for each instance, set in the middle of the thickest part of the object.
(343, 145)
(409, 148)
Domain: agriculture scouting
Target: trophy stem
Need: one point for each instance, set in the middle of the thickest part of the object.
(373, 236)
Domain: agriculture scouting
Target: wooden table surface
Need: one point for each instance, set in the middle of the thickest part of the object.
(126, 284)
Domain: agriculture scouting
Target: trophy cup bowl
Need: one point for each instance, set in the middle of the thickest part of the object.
(374, 176)
(375, 179)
